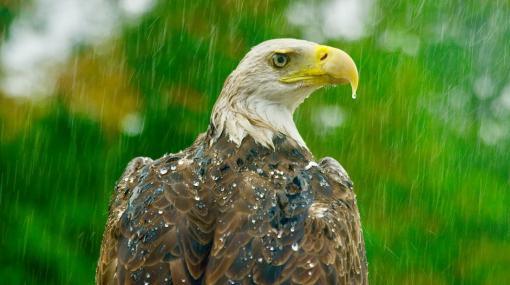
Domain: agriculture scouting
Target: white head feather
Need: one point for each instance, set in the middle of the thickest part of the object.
(255, 102)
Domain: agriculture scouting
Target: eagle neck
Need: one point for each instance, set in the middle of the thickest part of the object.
(246, 114)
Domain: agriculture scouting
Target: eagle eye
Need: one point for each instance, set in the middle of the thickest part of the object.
(280, 60)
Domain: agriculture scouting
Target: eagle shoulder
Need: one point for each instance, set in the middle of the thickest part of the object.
(332, 232)
(107, 262)
(335, 171)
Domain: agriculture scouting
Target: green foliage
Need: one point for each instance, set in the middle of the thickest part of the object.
(433, 193)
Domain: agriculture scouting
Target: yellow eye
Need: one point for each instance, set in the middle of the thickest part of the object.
(280, 59)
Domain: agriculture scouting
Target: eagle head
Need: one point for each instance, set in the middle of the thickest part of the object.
(271, 81)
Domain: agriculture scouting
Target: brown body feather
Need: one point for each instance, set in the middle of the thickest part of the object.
(222, 214)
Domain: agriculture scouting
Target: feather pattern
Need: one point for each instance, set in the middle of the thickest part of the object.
(226, 214)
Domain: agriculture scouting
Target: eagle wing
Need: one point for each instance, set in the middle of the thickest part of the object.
(305, 230)
(333, 234)
(159, 230)
(107, 263)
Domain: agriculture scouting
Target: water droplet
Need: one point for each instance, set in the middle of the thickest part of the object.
(173, 167)
(234, 185)
(311, 164)
(196, 183)
(197, 198)
(295, 246)
(292, 229)
(160, 212)
(353, 95)
(166, 225)
(163, 171)
(148, 276)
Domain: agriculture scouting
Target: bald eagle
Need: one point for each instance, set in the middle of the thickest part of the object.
(247, 203)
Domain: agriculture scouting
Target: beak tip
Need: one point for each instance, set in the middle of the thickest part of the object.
(341, 67)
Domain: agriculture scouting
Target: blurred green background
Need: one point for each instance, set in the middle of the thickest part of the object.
(87, 85)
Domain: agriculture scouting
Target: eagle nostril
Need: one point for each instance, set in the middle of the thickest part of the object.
(324, 56)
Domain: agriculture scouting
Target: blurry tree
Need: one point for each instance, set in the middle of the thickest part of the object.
(427, 141)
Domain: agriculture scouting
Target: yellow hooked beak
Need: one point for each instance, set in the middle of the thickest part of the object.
(327, 65)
